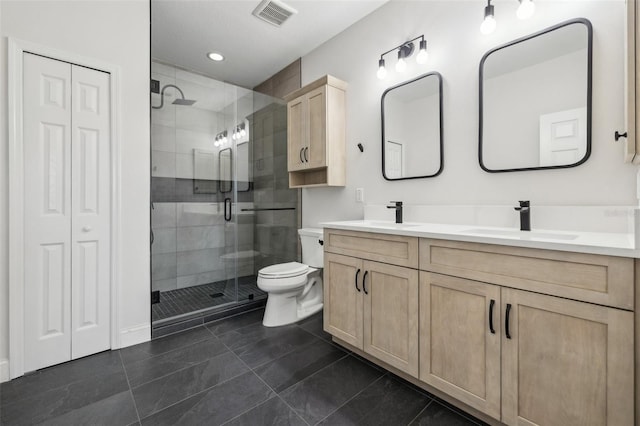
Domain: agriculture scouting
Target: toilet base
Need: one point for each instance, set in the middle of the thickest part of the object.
(284, 309)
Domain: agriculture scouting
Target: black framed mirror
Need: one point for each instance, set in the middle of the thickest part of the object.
(226, 173)
(535, 100)
(412, 121)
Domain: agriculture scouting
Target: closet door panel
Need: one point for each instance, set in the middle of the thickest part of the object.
(90, 288)
(47, 211)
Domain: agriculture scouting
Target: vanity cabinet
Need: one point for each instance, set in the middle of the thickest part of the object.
(316, 128)
(517, 336)
(565, 362)
(371, 305)
(460, 329)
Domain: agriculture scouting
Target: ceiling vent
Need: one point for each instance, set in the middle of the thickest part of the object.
(274, 12)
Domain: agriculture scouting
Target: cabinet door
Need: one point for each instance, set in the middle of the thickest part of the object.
(565, 362)
(343, 298)
(459, 352)
(391, 315)
(315, 155)
(296, 133)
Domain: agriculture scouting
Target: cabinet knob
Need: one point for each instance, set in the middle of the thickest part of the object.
(86, 228)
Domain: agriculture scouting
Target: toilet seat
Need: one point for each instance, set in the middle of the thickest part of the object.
(284, 270)
(283, 277)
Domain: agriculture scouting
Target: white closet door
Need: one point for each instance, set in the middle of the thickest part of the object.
(47, 206)
(90, 206)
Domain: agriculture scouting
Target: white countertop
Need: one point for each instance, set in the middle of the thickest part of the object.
(611, 244)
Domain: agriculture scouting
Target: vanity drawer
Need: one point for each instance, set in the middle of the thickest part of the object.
(392, 249)
(605, 280)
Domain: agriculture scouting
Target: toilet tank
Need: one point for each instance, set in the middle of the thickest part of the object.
(312, 250)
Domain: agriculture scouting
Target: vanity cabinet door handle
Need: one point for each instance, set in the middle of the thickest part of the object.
(506, 321)
(491, 306)
(364, 282)
(301, 151)
(357, 273)
(306, 157)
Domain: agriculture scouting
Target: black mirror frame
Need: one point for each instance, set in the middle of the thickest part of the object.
(439, 76)
(220, 181)
(583, 21)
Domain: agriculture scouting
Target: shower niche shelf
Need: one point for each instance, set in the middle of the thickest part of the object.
(316, 127)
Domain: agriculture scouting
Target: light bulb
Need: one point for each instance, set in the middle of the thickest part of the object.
(526, 9)
(382, 71)
(224, 139)
(423, 56)
(243, 132)
(401, 65)
(488, 25)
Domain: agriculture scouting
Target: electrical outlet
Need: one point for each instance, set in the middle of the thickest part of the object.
(359, 195)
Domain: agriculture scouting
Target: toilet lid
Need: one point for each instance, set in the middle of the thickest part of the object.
(284, 270)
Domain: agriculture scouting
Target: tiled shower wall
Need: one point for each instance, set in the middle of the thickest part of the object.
(276, 231)
(192, 243)
(276, 235)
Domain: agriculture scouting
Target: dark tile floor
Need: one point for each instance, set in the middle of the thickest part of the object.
(233, 372)
(191, 299)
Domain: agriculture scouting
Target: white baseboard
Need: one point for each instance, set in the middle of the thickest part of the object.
(134, 335)
(4, 370)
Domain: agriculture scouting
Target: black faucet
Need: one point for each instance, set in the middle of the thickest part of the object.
(398, 207)
(525, 215)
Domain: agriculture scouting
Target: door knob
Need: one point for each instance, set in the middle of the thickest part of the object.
(86, 228)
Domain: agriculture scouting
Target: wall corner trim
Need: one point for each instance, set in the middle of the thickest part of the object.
(4, 370)
(133, 335)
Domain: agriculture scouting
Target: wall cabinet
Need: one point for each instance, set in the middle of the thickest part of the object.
(519, 357)
(632, 141)
(316, 134)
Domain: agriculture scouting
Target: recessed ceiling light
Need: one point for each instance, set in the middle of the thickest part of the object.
(215, 56)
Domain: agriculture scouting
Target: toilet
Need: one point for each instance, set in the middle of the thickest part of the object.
(294, 290)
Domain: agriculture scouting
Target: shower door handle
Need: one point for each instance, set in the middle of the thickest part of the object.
(227, 211)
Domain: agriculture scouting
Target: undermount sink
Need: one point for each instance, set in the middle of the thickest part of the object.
(383, 224)
(523, 235)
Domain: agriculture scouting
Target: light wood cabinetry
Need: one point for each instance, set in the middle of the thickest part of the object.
(605, 280)
(459, 352)
(342, 301)
(391, 315)
(565, 362)
(372, 306)
(632, 142)
(316, 134)
(516, 336)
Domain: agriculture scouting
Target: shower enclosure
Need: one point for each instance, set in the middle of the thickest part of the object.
(221, 208)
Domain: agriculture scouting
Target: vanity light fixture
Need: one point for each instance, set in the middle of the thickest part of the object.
(215, 56)
(489, 23)
(526, 9)
(221, 139)
(423, 56)
(239, 132)
(382, 71)
(405, 50)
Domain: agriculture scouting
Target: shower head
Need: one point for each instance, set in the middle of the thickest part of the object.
(185, 102)
(181, 101)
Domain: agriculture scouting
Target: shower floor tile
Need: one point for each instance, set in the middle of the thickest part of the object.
(191, 299)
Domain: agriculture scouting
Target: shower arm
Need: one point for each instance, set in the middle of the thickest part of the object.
(162, 95)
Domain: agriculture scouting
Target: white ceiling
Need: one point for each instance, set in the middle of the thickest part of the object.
(184, 31)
